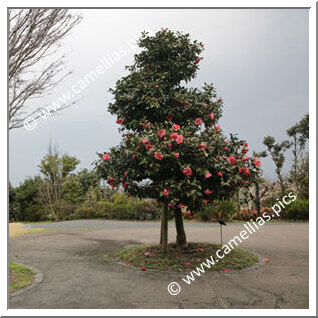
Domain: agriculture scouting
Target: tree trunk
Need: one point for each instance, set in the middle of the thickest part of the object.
(164, 227)
(181, 236)
(281, 181)
(257, 199)
(238, 207)
(161, 227)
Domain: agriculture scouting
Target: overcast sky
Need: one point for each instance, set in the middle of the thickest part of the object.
(257, 60)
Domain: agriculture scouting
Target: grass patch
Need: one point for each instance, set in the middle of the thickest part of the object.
(177, 259)
(16, 229)
(19, 277)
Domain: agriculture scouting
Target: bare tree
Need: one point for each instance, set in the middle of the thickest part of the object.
(35, 65)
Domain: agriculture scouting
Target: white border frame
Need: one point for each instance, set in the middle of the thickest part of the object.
(312, 151)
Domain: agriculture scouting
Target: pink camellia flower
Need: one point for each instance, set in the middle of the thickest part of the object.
(197, 60)
(207, 192)
(244, 150)
(244, 182)
(225, 148)
(161, 133)
(187, 263)
(174, 136)
(125, 185)
(220, 99)
(106, 157)
(126, 174)
(121, 179)
(212, 116)
(257, 161)
(245, 171)
(143, 268)
(164, 30)
(205, 201)
(245, 144)
(111, 179)
(158, 155)
(198, 121)
(231, 160)
(188, 172)
(177, 154)
(202, 146)
(169, 117)
(171, 205)
(134, 155)
(179, 139)
(208, 175)
(220, 174)
(169, 145)
(217, 127)
(175, 127)
(188, 212)
(145, 142)
(166, 192)
(149, 146)
(181, 206)
(246, 158)
(186, 104)
(119, 121)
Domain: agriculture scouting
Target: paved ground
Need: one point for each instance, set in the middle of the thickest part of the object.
(78, 273)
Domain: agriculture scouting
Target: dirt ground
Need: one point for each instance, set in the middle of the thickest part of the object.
(79, 271)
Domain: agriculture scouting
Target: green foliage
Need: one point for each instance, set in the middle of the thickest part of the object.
(172, 150)
(120, 208)
(297, 210)
(55, 166)
(72, 190)
(26, 201)
(218, 210)
(88, 179)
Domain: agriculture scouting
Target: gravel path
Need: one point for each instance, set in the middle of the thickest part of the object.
(76, 260)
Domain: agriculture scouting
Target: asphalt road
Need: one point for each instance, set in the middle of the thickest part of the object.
(76, 259)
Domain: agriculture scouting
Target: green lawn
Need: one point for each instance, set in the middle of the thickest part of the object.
(19, 276)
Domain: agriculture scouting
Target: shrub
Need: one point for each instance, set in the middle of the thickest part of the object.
(298, 210)
(119, 208)
(83, 213)
(218, 210)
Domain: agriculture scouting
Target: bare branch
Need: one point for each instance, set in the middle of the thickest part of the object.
(35, 65)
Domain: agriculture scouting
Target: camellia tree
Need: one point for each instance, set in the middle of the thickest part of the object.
(173, 149)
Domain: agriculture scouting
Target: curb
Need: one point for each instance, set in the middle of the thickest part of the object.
(37, 280)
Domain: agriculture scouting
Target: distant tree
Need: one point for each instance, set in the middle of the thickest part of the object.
(299, 134)
(88, 179)
(35, 66)
(26, 203)
(303, 177)
(256, 181)
(277, 152)
(13, 211)
(55, 168)
(72, 190)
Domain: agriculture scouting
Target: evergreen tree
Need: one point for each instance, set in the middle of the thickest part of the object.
(173, 148)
